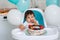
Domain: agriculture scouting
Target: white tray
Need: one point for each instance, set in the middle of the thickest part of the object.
(51, 34)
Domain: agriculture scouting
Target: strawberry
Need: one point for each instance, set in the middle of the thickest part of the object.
(41, 27)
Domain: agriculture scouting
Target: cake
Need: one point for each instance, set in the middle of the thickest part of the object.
(36, 30)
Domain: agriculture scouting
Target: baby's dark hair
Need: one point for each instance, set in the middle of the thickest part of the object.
(28, 12)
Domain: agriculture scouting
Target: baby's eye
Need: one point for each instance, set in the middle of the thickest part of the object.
(32, 17)
(28, 17)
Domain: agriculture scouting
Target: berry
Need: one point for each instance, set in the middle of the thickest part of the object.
(41, 27)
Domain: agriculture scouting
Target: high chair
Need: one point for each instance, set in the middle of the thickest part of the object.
(51, 33)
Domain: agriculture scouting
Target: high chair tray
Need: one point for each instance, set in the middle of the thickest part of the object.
(51, 34)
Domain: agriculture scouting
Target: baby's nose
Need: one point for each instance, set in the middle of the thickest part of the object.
(31, 19)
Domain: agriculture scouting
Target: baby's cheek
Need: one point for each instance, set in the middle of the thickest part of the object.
(28, 20)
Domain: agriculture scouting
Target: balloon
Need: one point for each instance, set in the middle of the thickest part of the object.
(49, 2)
(52, 15)
(59, 2)
(59, 17)
(15, 17)
(14, 1)
(23, 5)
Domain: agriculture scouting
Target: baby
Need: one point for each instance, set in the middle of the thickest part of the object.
(29, 20)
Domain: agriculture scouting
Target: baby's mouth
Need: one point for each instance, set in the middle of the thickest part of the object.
(32, 21)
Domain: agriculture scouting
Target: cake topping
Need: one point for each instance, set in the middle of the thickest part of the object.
(36, 27)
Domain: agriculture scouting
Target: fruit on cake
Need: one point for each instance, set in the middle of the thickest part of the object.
(36, 30)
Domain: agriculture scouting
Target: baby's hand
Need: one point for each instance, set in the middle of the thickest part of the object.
(22, 27)
(35, 22)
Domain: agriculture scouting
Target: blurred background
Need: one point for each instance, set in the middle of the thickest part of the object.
(5, 6)
(5, 26)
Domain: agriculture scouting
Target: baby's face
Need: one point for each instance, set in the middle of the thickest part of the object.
(30, 18)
